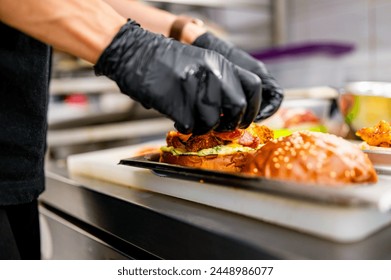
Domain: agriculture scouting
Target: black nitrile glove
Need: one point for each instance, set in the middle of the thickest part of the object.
(199, 89)
(272, 93)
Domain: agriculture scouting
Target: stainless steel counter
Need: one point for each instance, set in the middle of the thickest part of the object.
(119, 222)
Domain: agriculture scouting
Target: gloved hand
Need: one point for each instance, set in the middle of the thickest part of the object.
(272, 93)
(199, 89)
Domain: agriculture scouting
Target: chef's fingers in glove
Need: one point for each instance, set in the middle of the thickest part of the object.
(208, 100)
(178, 80)
(252, 86)
(233, 102)
(272, 96)
(205, 99)
(272, 93)
(244, 105)
(224, 98)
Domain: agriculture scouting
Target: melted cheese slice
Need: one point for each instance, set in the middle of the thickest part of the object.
(218, 150)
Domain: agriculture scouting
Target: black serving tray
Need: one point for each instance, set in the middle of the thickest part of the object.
(344, 195)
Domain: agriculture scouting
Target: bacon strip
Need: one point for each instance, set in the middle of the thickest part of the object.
(248, 140)
(249, 137)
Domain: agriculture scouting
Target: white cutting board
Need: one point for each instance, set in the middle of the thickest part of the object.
(337, 223)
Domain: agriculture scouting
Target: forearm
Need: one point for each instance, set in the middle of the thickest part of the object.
(150, 18)
(153, 19)
(81, 28)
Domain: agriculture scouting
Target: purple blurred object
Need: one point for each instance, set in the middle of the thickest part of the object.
(305, 49)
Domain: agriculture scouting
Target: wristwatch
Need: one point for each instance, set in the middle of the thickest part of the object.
(179, 23)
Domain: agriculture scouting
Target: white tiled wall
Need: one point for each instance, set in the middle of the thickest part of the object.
(364, 23)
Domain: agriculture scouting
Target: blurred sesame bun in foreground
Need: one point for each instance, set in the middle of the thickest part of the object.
(312, 157)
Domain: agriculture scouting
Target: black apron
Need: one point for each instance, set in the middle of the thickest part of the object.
(24, 79)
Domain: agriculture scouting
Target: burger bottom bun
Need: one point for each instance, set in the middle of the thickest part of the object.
(227, 163)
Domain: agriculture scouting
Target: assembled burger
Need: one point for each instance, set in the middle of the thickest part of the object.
(222, 151)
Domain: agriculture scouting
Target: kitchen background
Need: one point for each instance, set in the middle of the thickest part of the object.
(363, 23)
(361, 27)
(304, 43)
(313, 48)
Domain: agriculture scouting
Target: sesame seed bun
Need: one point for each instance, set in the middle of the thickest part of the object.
(312, 157)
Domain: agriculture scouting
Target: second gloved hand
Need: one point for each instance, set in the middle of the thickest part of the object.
(272, 93)
(199, 89)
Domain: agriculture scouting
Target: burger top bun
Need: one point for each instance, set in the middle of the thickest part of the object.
(312, 157)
